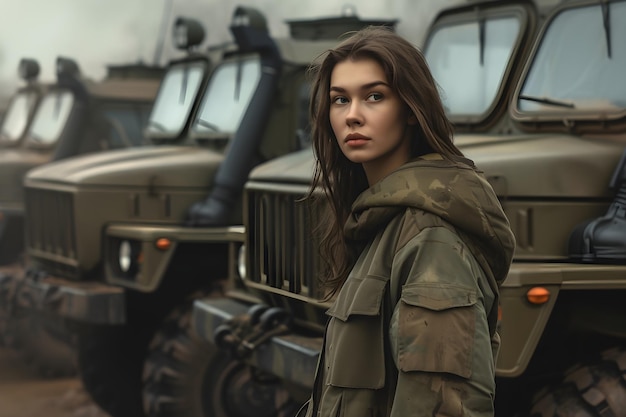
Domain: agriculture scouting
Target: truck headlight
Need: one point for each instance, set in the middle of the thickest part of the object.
(241, 262)
(127, 257)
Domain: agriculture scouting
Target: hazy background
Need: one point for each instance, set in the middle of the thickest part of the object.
(100, 32)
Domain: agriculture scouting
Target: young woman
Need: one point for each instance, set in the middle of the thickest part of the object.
(417, 246)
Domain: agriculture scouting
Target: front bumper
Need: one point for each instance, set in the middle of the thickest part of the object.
(81, 301)
(290, 357)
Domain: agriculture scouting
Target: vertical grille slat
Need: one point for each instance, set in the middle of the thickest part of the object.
(284, 245)
(50, 229)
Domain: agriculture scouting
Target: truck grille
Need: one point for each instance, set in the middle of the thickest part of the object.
(50, 229)
(282, 243)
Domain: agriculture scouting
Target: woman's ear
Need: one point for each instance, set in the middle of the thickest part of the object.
(412, 120)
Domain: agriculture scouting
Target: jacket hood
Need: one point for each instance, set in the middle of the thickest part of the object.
(452, 190)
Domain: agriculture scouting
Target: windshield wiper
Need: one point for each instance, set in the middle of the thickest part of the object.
(183, 89)
(36, 137)
(549, 101)
(481, 40)
(157, 125)
(606, 20)
(208, 125)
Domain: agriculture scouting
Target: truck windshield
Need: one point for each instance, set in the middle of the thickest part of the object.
(468, 60)
(579, 65)
(176, 96)
(227, 96)
(16, 117)
(51, 116)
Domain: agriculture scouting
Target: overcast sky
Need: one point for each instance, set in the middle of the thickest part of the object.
(100, 32)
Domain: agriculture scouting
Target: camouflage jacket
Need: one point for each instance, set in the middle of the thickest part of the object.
(412, 331)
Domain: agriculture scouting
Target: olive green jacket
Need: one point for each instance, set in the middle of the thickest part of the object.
(412, 332)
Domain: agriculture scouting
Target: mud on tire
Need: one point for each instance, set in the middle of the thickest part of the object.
(595, 390)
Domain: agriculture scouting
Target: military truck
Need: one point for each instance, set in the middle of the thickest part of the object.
(136, 235)
(555, 158)
(74, 116)
(78, 116)
(15, 123)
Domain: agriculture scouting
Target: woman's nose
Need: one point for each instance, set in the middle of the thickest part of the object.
(354, 115)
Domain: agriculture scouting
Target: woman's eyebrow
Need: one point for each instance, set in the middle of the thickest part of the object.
(363, 87)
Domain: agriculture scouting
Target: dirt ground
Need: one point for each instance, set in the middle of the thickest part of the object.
(23, 393)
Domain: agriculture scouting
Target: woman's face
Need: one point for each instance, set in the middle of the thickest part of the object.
(370, 121)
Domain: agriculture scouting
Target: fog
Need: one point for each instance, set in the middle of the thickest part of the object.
(97, 33)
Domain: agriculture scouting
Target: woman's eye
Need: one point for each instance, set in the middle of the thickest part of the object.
(339, 100)
(375, 97)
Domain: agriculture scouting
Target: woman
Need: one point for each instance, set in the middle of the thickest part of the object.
(417, 245)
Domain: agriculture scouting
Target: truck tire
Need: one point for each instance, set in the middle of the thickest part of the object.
(110, 359)
(186, 376)
(595, 390)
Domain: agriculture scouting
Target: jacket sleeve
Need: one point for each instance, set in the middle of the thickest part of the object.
(439, 335)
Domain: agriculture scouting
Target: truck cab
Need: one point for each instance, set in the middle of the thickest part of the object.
(547, 128)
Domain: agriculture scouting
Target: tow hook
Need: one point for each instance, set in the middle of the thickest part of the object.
(242, 334)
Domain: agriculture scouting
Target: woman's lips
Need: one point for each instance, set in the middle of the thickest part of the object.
(356, 140)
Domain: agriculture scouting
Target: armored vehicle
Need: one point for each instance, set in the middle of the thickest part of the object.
(555, 159)
(136, 235)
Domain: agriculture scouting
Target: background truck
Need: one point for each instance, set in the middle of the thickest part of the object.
(13, 129)
(135, 235)
(72, 116)
(555, 159)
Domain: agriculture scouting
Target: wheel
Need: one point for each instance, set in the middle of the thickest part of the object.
(172, 374)
(234, 389)
(595, 390)
(186, 376)
(43, 340)
(110, 361)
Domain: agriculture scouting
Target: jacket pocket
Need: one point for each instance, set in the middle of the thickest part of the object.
(436, 326)
(354, 350)
(359, 296)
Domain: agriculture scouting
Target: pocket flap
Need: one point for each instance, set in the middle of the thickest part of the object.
(359, 296)
(438, 296)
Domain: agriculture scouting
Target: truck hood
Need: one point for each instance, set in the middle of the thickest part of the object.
(14, 164)
(555, 166)
(165, 166)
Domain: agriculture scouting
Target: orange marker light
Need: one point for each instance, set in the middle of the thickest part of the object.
(538, 295)
(163, 243)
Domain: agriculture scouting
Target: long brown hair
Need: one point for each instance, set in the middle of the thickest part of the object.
(342, 180)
